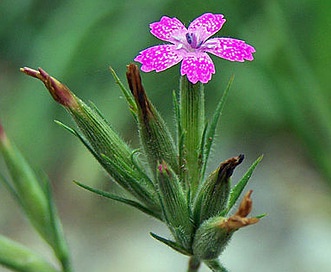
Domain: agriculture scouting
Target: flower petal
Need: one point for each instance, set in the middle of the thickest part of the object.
(168, 29)
(230, 49)
(206, 25)
(197, 67)
(158, 58)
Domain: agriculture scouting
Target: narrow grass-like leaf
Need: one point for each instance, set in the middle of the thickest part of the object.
(239, 187)
(210, 133)
(18, 257)
(10, 188)
(71, 130)
(126, 201)
(60, 246)
(128, 95)
(121, 174)
(171, 244)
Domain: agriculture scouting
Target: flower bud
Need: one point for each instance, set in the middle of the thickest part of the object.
(214, 193)
(174, 204)
(103, 142)
(154, 134)
(214, 234)
(59, 91)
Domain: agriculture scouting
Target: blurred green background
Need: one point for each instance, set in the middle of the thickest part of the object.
(279, 106)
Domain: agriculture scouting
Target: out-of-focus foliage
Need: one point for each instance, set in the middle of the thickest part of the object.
(282, 97)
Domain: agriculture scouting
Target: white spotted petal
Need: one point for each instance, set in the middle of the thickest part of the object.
(158, 58)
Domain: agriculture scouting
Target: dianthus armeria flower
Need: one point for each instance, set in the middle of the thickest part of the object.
(191, 45)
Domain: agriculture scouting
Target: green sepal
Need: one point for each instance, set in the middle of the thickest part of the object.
(171, 244)
(192, 123)
(18, 257)
(210, 130)
(126, 201)
(215, 265)
(174, 204)
(239, 187)
(210, 239)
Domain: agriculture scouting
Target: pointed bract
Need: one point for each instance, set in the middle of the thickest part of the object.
(214, 234)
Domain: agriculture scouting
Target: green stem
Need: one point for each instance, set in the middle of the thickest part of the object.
(193, 264)
(192, 121)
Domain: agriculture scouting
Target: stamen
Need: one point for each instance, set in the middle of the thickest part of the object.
(189, 37)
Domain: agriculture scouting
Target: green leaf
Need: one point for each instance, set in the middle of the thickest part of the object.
(239, 187)
(10, 188)
(128, 95)
(210, 131)
(126, 201)
(71, 130)
(17, 257)
(171, 244)
(131, 178)
(60, 246)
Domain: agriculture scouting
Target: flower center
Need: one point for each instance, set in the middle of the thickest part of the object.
(193, 40)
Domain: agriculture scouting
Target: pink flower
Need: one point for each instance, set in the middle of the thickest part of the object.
(191, 45)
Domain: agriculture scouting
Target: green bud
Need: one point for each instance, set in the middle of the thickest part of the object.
(101, 139)
(210, 240)
(155, 136)
(213, 196)
(20, 258)
(213, 235)
(174, 204)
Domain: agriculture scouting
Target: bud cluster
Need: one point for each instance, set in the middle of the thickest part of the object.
(172, 185)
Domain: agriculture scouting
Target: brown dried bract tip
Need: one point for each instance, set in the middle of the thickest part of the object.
(59, 91)
(239, 219)
(138, 91)
(227, 167)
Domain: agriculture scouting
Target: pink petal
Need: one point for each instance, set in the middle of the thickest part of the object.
(230, 49)
(167, 29)
(197, 67)
(158, 57)
(206, 25)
